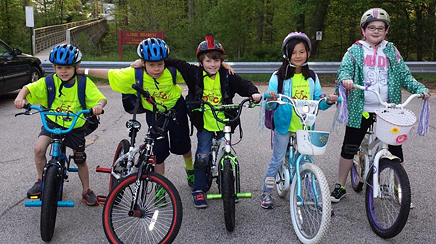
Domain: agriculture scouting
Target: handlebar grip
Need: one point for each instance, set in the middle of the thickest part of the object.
(266, 95)
(146, 94)
(339, 100)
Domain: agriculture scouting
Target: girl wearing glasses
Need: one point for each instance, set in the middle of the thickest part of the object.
(376, 62)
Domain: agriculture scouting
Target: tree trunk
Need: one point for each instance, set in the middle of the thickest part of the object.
(318, 21)
(419, 32)
(191, 10)
(260, 18)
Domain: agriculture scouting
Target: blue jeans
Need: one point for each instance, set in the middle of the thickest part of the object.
(280, 144)
(202, 154)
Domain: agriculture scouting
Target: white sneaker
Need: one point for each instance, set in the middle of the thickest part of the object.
(412, 206)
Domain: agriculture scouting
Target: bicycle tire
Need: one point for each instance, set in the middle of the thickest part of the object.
(209, 176)
(395, 196)
(228, 195)
(156, 221)
(49, 203)
(122, 148)
(282, 180)
(356, 172)
(319, 213)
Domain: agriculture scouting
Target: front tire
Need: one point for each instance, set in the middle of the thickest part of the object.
(312, 218)
(388, 213)
(122, 148)
(228, 194)
(35, 74)
(49, 199)
(157, 216)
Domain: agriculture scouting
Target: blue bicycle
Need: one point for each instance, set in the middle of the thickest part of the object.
(55, 172)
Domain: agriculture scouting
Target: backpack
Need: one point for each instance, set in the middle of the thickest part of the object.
(132, 102)
(269, 114)
(92, 121)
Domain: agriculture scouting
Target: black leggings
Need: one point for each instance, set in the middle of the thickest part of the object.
(354, 136)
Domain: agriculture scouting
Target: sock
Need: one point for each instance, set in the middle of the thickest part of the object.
(188, 163)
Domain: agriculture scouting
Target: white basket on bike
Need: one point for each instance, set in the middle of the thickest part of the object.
(394, 125)
(312, 142)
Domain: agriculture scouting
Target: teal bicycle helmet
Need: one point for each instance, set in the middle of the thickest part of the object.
(153, 49)
(65, 54)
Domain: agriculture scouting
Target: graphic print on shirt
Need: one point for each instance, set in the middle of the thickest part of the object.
(376, 69)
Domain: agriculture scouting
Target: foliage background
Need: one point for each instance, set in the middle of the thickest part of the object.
(250, 30)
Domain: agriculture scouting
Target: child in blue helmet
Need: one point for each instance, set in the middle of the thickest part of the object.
(65, 59)
(158, 81)
(299, 82)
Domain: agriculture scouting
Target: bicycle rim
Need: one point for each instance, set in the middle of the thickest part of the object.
(157, 215)
(388, 213)
(356, 172)
(49, 204)
(311, 219)
(228, 194)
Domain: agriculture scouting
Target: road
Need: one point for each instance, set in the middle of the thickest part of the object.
(83, 224)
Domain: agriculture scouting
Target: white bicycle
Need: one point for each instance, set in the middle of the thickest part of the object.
(309, 199)
(387, 184)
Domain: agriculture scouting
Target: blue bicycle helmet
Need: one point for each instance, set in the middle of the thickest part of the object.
(65, 54)
(153, 49)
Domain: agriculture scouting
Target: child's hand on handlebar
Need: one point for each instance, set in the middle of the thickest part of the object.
(332, 99)
(19, 103)
(426, 95)
(348, 84)
(256, 97)
(97, 109)
(273, 96)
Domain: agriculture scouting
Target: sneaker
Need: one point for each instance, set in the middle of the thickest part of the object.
(89, 198)
(199, 199)
(159, 198)
(35, 191)
(267, 201)
(412, 206)
(190, 177)
(338, 193)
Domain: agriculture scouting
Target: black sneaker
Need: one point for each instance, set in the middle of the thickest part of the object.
(338, 193)
(35, 191)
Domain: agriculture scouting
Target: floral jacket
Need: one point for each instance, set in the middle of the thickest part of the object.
(399, 76)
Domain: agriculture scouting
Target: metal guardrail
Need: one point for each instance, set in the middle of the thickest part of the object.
(258, 67)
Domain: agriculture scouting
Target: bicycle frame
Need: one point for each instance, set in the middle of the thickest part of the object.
(373, 163)
(306, 111)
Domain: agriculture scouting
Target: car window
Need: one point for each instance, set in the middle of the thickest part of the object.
(4, 50)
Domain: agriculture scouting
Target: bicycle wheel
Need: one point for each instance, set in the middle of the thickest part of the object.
(123, 148)
(356, 171)
(282, 180)
(312, 218)
(209, 175)
(228, 194)
(49, 203)
(157, 216)
(388, 213)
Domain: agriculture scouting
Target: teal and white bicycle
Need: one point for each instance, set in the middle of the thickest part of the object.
(309, 199)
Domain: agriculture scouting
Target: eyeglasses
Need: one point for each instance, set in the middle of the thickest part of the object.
(373, 28)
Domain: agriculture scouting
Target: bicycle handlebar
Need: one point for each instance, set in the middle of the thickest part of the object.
(148, 96)
(388, 105)
(45, 112)
(224, 107)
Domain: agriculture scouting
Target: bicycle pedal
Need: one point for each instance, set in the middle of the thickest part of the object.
(243, 195)
(213, 196)
(73, 169)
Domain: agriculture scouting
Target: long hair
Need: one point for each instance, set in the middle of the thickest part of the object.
(285, 71)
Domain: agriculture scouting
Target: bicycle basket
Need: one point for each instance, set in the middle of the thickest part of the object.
(311, 142)
(394, 125)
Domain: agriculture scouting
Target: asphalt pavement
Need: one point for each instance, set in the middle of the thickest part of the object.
(83, 224)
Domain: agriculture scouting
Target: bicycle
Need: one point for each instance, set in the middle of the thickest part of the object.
(223, 165)
(55, 171)
(388, 193)
(309, 198)
(142, 206)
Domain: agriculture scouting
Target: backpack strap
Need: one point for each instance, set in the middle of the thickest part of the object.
(49, 83)
(81, 86)
(312, 74)
(173, 72)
